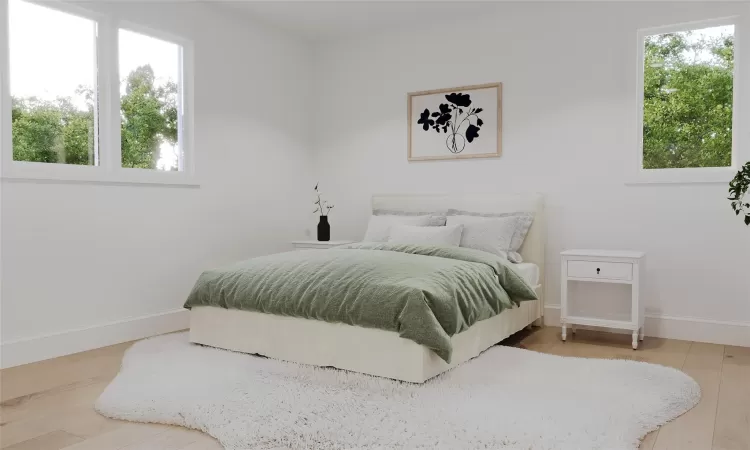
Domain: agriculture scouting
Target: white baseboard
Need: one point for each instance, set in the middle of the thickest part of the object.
(683, 328)
(23, 351)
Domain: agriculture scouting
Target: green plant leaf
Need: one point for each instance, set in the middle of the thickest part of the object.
(738, 188)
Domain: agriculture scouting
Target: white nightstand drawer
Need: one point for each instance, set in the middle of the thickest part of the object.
(606, 270)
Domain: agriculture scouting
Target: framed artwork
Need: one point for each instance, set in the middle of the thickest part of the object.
(455, 123)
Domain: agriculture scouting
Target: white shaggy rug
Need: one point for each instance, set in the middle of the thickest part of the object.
(507, 398)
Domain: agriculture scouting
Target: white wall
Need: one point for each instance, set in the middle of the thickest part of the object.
(78, 256)
(569, 75)
(86, 265)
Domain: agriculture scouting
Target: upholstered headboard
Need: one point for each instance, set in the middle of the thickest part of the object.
(533, 247)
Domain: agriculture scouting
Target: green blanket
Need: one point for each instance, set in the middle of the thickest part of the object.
(425, 293)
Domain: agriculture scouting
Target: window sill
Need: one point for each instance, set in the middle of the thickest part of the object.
(703, 175)
(67, 174)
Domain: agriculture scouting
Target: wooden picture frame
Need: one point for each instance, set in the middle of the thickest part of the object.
(446, 114)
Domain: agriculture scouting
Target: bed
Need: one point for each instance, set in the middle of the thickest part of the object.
(375, 351)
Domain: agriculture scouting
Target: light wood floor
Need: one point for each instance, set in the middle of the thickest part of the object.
(47, 405)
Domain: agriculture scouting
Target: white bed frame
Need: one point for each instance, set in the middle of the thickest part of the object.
(372, 351)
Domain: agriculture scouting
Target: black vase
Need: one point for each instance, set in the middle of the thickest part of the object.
(324, 229)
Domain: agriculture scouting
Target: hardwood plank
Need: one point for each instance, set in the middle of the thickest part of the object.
(54, 402)
(80, 420)
(55, 440)
(85, 422)
(588, 344)
(173, 439)
(648, 442)
(694, 430)
(204, 446)
(703, 356)
(674, 359)
(59, 372)
(538, 339)
(599, 344)
(127, 433)
(15, 401)
(599, 339)
(23, 430)
(732, 428)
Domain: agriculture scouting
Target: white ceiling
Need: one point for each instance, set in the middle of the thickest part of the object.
(324, 20)
(335, 19)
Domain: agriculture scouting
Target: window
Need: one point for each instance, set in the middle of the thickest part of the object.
(686, 99)
(66, 119)
(149, 79)
(52, 85)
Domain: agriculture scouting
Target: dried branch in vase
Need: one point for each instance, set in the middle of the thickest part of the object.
(321, 206)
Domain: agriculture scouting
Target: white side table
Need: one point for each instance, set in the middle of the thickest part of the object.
(604, 266)
(317, 245)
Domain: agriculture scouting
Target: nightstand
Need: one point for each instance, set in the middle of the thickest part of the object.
(317, 245)
(604, 266)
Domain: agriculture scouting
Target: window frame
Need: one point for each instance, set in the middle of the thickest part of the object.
(109, 170)
(638, 174)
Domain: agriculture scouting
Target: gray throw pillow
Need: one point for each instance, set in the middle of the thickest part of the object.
(498, 233)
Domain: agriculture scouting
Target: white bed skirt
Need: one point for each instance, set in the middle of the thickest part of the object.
(365, 350)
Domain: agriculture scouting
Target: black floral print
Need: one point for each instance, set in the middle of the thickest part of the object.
(450, 117)
(425, 120)
(462, 100)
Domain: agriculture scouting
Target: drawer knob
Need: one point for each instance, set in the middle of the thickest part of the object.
(597, 270)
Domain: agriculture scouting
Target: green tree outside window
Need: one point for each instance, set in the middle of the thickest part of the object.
(58, 131)
(687, 99)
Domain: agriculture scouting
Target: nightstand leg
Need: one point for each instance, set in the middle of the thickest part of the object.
(643, 333)
(573, 329)
(635, 340)
(564, 332)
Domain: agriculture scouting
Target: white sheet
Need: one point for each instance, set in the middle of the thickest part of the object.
(529, 272)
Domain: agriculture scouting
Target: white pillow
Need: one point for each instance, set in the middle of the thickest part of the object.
(501, 236)
(379, 226)
(409, 234)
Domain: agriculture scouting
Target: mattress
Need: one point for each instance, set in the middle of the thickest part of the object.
(529, 272)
